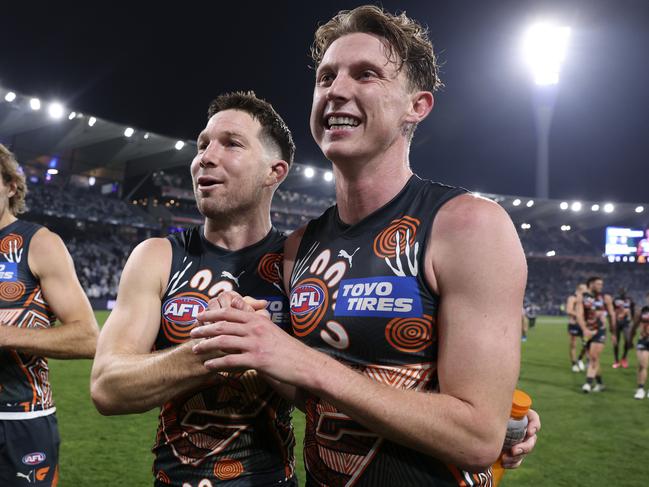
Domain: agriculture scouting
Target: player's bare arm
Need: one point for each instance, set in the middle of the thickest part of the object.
(75, 336)
(463, 424)
(127, 377)
(581, 321)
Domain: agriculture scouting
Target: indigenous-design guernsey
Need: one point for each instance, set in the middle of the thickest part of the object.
(237, 431)
(644, 323)
(594, 310)
(623, 307)
(358, 294)
(25, 390)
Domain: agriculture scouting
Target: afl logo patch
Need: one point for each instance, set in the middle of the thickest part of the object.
(183, 310)
(34, 458)
(306, 298)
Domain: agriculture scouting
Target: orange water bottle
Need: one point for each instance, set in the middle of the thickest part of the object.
(516, 429)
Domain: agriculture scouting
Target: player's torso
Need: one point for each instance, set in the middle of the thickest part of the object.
(622, 307)
(644, 323)
(238, 430)
(572, 320)
(358, 293)
(24, 379)
(594, 309)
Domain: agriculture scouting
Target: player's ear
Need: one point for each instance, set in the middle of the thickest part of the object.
(13, 187)
(421, 104)
(278, 172)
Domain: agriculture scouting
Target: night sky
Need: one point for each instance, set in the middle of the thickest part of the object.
(157, 70)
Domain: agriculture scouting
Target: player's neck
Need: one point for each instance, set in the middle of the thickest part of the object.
(364, 188)
(7, 219)
(239, 232)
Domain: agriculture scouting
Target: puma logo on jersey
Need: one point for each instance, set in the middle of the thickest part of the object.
(183, 310)
(386, 296)
(306, 298)
(343, 253)
(228, 275)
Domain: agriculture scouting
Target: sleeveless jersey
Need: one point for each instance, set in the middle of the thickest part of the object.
(237, 431)
(622, 307)
(594, 310)
(644, 323)
(358, 294)
(24, 379)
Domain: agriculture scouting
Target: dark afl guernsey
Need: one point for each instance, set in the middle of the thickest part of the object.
(236, 432)
(594, 310)
(24, 379)
(358, 294)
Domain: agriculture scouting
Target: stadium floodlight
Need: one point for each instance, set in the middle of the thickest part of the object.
(52, 171)
(639, 209)
(564, 205)
(544, 47)
(609, 208)
(92, 121)
(516, 202)
(55, 110)
(147, 135)
(128, 132)
(91, 181)
(10, 96)
(35, 104)
(328, 176)
(550, 253)
(179, 145)
(530, 203)
(576, 206)
(309, 172)
(72, 115)
(525, 226)
(595, 207)
(565, 228)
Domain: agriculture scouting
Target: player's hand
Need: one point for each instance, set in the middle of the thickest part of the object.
(252, 341)
(515, 456)
(232, 299)
(588, 334)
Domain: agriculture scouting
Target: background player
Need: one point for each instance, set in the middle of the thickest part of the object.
(624, 308)
(642, 322)
(574, 330)
(38, 284)
(228, 428)
(593, 307)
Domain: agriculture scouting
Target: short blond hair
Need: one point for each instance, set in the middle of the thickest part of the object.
(11, 173)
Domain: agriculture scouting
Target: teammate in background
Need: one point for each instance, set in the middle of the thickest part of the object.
(641, 321)
(525, 325)
(38, 285)
(531, 312)
(592, 308)
(624, 308)
(225, 428)
(388, 402)
(574, 330)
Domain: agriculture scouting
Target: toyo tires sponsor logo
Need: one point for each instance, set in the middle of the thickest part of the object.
(383, 296)
(183, 310)
(34, 458)
(306, 298)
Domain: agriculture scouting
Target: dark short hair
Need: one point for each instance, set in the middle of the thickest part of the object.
(11, 173)
(592, 279)
(273, 128)
(407, 41)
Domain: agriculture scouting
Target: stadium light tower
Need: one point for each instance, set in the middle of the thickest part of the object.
(544, 49)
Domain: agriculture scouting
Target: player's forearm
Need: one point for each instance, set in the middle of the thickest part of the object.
(126, 383)
(439, 425)
(70, 340)
(291, 393)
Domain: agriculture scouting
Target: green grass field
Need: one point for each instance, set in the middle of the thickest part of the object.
(586, 440)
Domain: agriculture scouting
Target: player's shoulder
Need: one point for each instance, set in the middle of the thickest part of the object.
(467, 214)
(152, 248)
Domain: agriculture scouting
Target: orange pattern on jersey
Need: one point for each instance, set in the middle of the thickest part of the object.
(385, 243)
(268, 268)
(29, 379)
(11, 291)
(410, 335)
(227, 469)
(11, 242)
(163, 477)
(305, 324)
